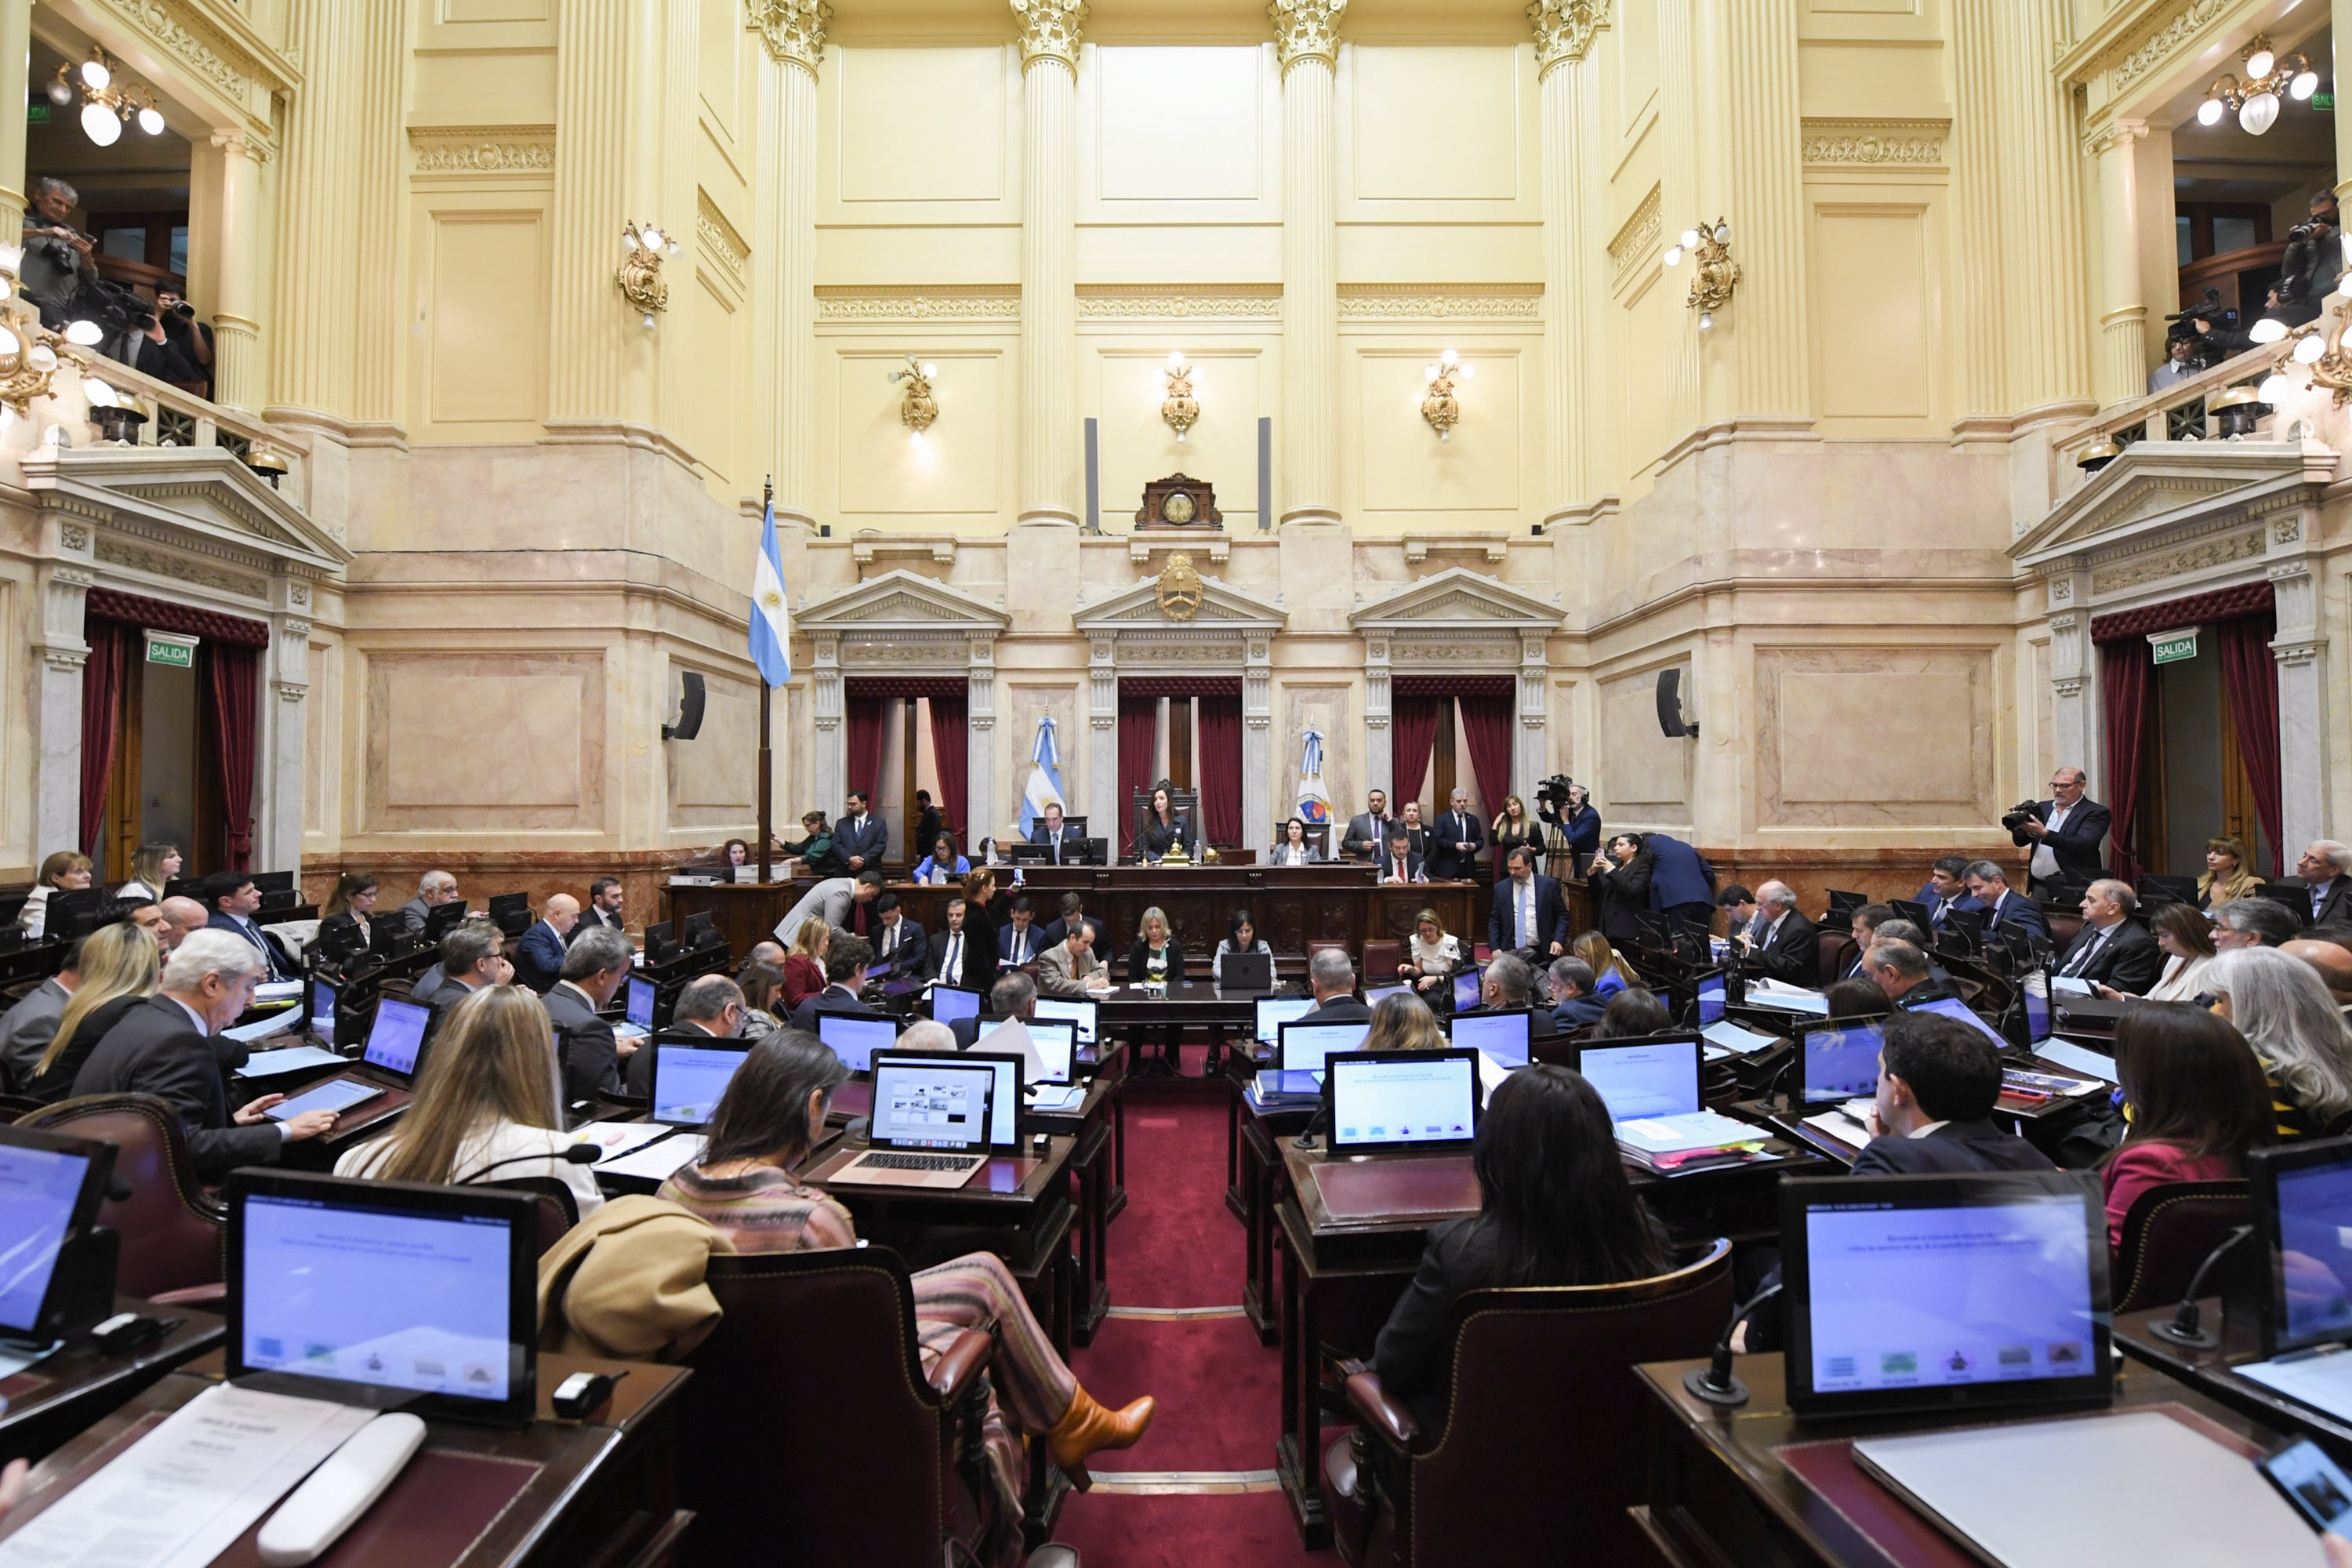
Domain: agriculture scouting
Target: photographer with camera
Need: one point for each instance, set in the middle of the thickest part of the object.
(161, 340)
(1568, 805)
(2212, 328)
(2065, 833)
(59, 260)
(2312, 263)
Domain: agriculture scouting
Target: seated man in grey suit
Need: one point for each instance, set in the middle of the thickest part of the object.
(1332, 977)
(433, 888)
(595, 967)
(1938, 1081)
(471, 958)
(1069, 967)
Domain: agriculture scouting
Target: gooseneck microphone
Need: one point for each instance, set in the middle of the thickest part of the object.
(574, 1155)
(1717, 1385)
(2187, 1327)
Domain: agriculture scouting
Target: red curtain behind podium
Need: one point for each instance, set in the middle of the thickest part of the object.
(1138, 739)
(1413, 727)
(1486, 729)
(951, 758)
(865, 759)
(1221, 769)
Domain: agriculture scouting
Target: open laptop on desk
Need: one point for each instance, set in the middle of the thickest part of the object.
(1507, 1035)
(1250, 970)
(689, 1076)
(1299, 1054)
(2303, 1224)
(638, 1010)
(1004, 1099)
(951, 1002)
(931, 1124)
(1391, 1102)
(1273, 1012)
(855, 1036)
(1069, 1009)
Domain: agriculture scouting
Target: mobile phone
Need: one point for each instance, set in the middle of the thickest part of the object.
(2313, 1483)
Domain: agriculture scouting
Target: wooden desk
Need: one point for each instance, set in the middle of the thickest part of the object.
(555, 1493)
(355, 1126)
(65, 1395)
(2213, 1373)
(1098, 1166)
(1719, 1492)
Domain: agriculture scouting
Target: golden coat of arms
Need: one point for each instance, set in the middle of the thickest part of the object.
(1179, 587)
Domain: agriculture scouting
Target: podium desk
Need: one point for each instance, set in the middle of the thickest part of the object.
(2213, 1373)
(557, 1493)
(62, 1395)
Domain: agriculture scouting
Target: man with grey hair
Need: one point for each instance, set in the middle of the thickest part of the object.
(1015, 996)
(2064, 833)
(2253, 922)
(1507, 982)
(596, 966)
(1902, 970)
(2324, 869)
(928, 1035)
(433, 889)
(1333, 979)
(710, 1006)
(1787, 946)
(1573, 1005)
(163, 1047)
(2112, 950)
(59, 261)
(2003, 906)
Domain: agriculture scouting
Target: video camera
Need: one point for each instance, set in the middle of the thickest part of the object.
(2225, 335)
(1551, 797)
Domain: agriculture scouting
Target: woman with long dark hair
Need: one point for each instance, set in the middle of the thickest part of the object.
(2198, 1103)
(347, 925)
(1293, 849)
(1621, 881)
(1164, 827)
(1554, 1208)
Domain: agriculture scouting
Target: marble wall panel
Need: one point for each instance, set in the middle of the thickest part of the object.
(1874, 737)
(480, 742)
(713, 776)
(1645, 777)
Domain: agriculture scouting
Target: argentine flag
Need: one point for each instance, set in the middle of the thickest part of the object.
(1314, 805)
(772, 617)
(1044, 785)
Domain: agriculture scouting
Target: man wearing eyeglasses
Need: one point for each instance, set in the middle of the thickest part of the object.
(2067, 834)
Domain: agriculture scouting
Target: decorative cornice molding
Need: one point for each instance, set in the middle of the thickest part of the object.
(161, 564)
(1910, 144)
(206, 50)
(793, 30)
(1441, 302)
(719, 241)
(483, 149)
(2176, 34)
(1636, 240)
(2132, 572)
(921, 302)
(1049, 30)
(1564, 29)
(1305, 29)
(1177, 302)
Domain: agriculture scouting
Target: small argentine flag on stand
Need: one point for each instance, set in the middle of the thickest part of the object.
(772, 617)
(1314, 805)
(1044, 785)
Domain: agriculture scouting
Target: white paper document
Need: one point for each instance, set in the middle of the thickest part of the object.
(2323, 1381)
(654, 1163)
(262, 1028)
(618, 1138)
(181, 1495)
(1837, 1124)
(293, 1058)
(1053, 1099)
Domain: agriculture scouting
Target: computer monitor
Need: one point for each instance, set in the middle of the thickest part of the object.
(639, 1008)
(395, 1040)
(73, 914)
(855, 1036)
(691, 1075)
(1654, 1077)
(1080, 1013)
(273, 882)
(1844, 904)
(422, 1296)
(1959, 1012)
(2302, 1217)
(1838, 1059)
(185, 888)
(510, 912)
(1304, 1047)
(319, 1005)
(1005, 1100)
(1465, 989)
(50, 1187)
(1021, 852)
(660, 946)
(443, 919)
(702, 929)
(2033, 996)
(1052, 1044)
(1273, 1012)
(1945, 1293)
(951, 1002)
(1421, 1100)
(1713, 997)
(1508, 1036)
(923, 1101)
(1376, 994)
(1912, 911)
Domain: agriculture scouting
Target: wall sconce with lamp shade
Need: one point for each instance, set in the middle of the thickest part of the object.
(917, 406)
(2269, 77)
(1180, 409)
(1441, 406)
(1709, 246)
(643, 248)
(107, 104)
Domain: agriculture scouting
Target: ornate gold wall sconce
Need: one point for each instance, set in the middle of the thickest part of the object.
(639, 276)
(2270, 76)
(917, 406)
(2319, 348)
(1180, 408)
(1441, 405)
(1709, 247)
(29, 353)
(106, 102)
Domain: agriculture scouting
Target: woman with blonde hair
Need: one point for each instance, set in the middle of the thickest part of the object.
(805, 965)
(2227, 874)
(1513, 828)
(489, 1092)
(153, 867)
(67, 871)
(1404, 1023)
(1610, 974)
(118, 965)
(1431, 954)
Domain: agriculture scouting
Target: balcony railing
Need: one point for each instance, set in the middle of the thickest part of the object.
(2176, 413)
(181, 418)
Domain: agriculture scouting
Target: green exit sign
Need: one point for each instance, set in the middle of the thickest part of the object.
(2323, 102)
(169, 648)
(2173, 647)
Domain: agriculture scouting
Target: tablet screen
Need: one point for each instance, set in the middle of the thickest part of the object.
(1466, 990)
(1954, 1008)
(1273, 1012)
(1306, 1046)
(339, 1096)
(640, 1009)
(689, 1080)
(1501, 1036)
(1710, 1000)
(396, 1035)
(38, 1189)
(1659, 1078)
(1841, 1063)
(1396, 1099)
(322, 1010)
(948, 1004)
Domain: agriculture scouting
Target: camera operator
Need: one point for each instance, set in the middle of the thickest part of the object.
(162, 340)
(59, 258)
(2312, 263)
(2215, 330)
(2180, 359)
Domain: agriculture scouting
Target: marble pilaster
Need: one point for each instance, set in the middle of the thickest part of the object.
(2123, 314)
(791, 35)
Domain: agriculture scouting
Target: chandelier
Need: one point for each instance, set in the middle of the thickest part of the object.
(2269, 76)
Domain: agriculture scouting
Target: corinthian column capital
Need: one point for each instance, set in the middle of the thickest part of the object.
(793, 31)
(1049, 30)
(1564, 29)
(1305, 29)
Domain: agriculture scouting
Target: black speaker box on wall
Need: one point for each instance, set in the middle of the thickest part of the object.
(1670, 705)
(689, 711)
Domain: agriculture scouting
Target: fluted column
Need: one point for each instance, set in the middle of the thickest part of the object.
(1564, 30)
(785, 260)
(2339, 13)
(598, 369)
(237, 285)
(2123, 314)
(1307, 43)
(312, 344)
(379, 337)
(1976, 198)
(16, 46)
(1764, 198)
(1678, 192)
(1051, 484)
(2042, 250)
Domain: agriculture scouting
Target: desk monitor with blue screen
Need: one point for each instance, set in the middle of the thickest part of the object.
(1052, 1044)
(2033, 994)
(1508, 1036)
(1304, 1047)
(321, 1008)
(50, 1187)
(1082, 1013)
(422, 1298)
(1648, 1078)
(1419, 1101)
(949, 1003)
(640, 1009)
(1712, 999)
(2302, 1217)
(1376, 994)
(1273, 1012)
(1945, 1293)
(689, 1076)
(1465, 989)
(1952, 1008)
(1004, 1101)
(395, 1040)
(855, 1036)
(1838, 1060)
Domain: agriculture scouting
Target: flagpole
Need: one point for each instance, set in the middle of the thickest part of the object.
(767, 762)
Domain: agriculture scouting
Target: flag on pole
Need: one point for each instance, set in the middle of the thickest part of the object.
(1044, 785)
(1314, 805)
(772, 617)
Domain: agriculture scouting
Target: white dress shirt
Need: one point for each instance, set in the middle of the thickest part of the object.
(2044, 863)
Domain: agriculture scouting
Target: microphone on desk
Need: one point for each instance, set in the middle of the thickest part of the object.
(1306, 1140)
(572, 1155)
(1717, 1385)
(2187, 1327)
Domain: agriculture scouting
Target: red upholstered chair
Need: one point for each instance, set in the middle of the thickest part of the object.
(809, 1419)
(2169, 1232)
(558, 1206)
(1541, 1450)
(1380, 961)
(1837, 948)
(172, 1232)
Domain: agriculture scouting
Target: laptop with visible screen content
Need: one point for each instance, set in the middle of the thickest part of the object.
(395, 1041)
(320, 1008)
(50, 1188)
(1944, 1294)
(1004, 1099)
(1076, 1012)
(929, 1125)
(949, 1003)
(1245, 970)
(689, 1076)
(384, 1293)
(637, 1017)
(1273, 1012)
(337, 1095)
(1508, 1035)
(1304, 1047)
(1712, 1000)
(1048, 1047)
(1838, 1060)
(1401, 1101)
(1465, 989)
(1650, 1087)
(855, 1036)
(1376, 994)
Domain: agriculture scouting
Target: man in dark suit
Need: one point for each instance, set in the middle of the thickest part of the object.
(847, 960)
(2067, 832)
(901, 946)
(539, 951)
(1573, 1004)
(603, 910)
(232, 899)
(163, 1047)
(1903, 971)
(862, 835)
(1073, 908)
(2324, 869)
(1366, 829)
(2112, 949)
(1528, 917)
(2003, 906)
(1865, 927)
(1020, 938)
(957, 961)
(471, 959)
(433, 889)
(1681, 888)
(1947, 889)
(1015, 996)
(1069, 844)
(710, 1007)
(1938, 1081)
(1333, 979)
(1398, 861)
(595, 967)
(1788, 947)
(929, 825)
(1454, 840)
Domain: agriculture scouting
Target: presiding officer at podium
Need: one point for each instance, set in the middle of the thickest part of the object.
(1165, 827)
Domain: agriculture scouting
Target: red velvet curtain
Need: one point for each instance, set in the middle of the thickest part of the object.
(865, 759)
(2250, 686)
(1412, 733)
(951, 757)
(1221, 769)
(2127, 691)
(1487, 728)
(1139, 737)
(231, 677)
(102, 715)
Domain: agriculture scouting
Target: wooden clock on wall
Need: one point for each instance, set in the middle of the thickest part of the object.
(1180, 501)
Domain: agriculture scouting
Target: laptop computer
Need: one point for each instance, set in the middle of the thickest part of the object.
(931, 1124)
(855, 1036)
(1048, 1047)
(1076, 1011)
(1712, 996)
(1837, 1059)
(691, 1075)
(324, 1297)
(55, 1184)
(1465, 989)
(1376, 994)
(1273, 1012)
(1401, 1101)
(951, 1002)
(395, 1040)
(1651, 1090)
(1245, 970)
(637, 1009)
(1005, 1098)
(1507, 1035)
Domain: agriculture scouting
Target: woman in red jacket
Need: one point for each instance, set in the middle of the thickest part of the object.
(805, 965)
(2196, 1100)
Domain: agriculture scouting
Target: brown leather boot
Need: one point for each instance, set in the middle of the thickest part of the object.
(1088, 1429)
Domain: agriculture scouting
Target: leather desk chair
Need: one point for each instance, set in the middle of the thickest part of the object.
(1542, 1443)
(172, 1232)
(1836, 950)
(2065, 925)
(1380, 961)
(810, 1431)
(2169, 1233)
(558, 1206)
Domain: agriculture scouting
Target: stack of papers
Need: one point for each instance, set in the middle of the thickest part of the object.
(1841, 1128)
(293, 1058)
(1666, 1143)
(1786, 998)
(1732, 1040)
